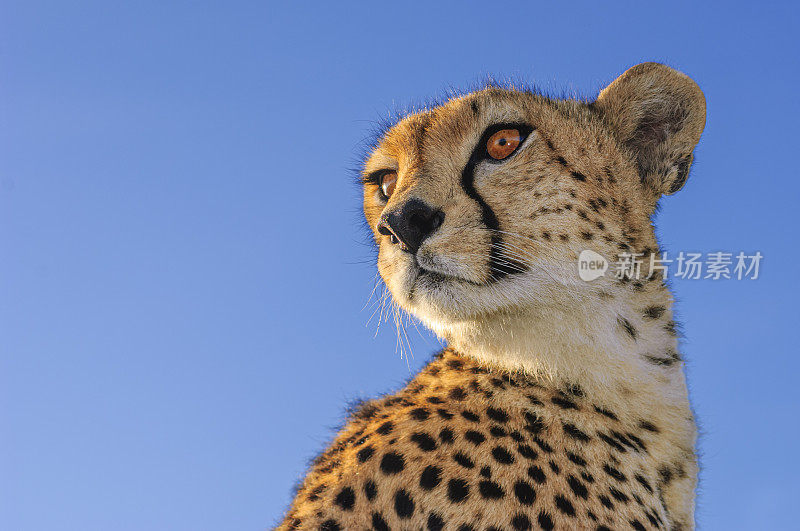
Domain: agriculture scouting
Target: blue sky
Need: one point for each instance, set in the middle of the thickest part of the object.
(182, 267)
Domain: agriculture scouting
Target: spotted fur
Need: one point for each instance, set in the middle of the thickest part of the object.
(559, 403)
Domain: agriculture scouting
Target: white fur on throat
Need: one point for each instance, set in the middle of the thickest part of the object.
(585, 345)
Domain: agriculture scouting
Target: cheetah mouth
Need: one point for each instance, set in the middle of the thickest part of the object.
(437, 277)
(433, 272)
(427, 283)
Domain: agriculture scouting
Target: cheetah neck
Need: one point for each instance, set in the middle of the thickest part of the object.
(621, 350)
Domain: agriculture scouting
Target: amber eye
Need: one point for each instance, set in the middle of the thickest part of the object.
(503, 143)
(388, 181)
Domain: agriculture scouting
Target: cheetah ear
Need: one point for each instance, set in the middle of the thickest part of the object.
(659, 114)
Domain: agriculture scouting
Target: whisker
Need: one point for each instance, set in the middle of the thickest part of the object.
(372, 293)
(541, 250)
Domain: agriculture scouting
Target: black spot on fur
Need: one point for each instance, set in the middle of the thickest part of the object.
(524, 492)
(649, 426)
(469, 415)
(605, 501)
(619, 496)
(370, 490)
(365, 454)
(430, 477)
(457, 490)
(424, 441)
(455, 364)
(329, 525)
(614, 473)
(457, 393)
(637, 441)
(392, 463)
(575, 433)
(498, 415)
(463, 460)
(543, 445)
(497, 432)
(611, 442)
(606, 413)
(564, 505)
(316, 491)
(654, 312)
(420, 413)
(534, 423)
(624, 440)
(527, 452)
(672, 328)
(435, 522)
(578, 460)
(501, 455)
(490, 490)
(378, 523)
(537, 474)
(577, 487)
(666, 474)
(671, 357)
(403, 504)
(644, 483)
(345, 499)
(520, 522)
(475, 437)
(446, 436)
(546, 521)
(575, 390)
(627, 327)
(564, 402)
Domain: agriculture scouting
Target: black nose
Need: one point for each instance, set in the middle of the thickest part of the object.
(410, 223)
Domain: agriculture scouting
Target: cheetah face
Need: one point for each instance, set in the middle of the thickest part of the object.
(482, 205)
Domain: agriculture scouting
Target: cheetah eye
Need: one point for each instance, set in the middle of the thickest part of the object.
(387, 182)
(503, 143)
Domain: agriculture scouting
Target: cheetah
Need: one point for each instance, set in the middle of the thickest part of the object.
(558, 403)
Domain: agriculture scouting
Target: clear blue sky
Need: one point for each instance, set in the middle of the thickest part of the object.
(182, 272)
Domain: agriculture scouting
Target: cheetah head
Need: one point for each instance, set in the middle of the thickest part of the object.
(482, 205)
